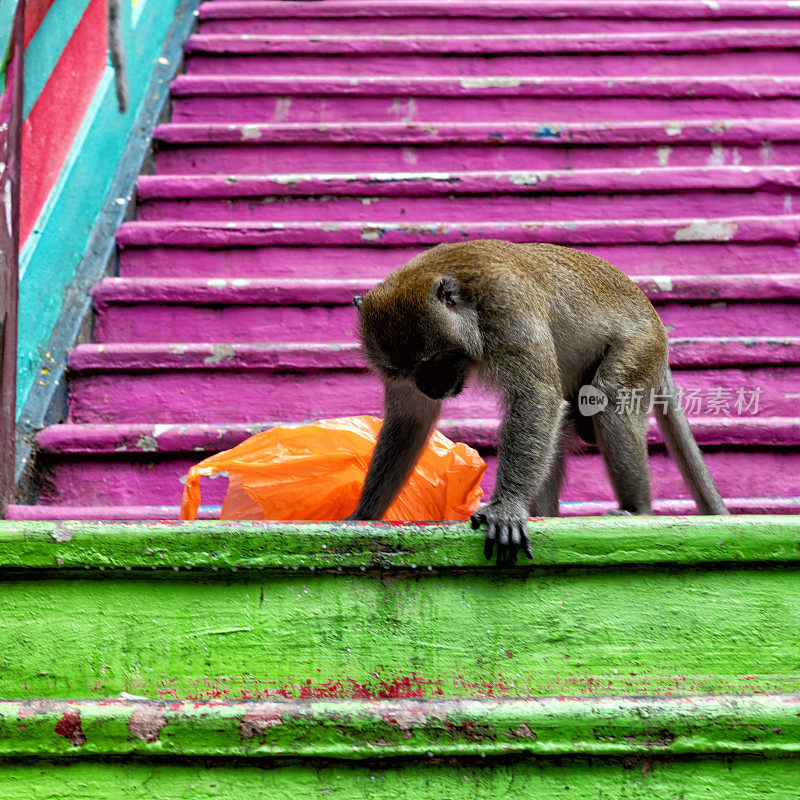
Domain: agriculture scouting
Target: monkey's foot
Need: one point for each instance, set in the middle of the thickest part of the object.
(619, 512)
(506, 525)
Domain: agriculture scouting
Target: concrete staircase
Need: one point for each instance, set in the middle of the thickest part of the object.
(315, 146)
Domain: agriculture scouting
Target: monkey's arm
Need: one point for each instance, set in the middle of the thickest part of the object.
(528, 439)
(409, 417)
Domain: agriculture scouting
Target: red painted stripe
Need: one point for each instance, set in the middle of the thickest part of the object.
(54, 120)
(35, 12)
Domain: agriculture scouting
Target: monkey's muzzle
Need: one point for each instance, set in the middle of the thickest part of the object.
(439, 379)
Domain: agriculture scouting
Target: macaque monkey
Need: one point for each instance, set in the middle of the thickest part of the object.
(535, 322)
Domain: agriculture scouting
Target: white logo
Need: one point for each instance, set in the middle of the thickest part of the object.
(591, 401)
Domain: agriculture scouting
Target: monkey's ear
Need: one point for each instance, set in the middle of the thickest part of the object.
(358, 302)
(447, 291)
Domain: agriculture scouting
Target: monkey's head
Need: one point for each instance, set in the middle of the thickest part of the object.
(417, 327)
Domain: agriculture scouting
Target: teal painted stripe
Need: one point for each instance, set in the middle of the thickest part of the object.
(57, 244)
(7, 9)
(47, 45)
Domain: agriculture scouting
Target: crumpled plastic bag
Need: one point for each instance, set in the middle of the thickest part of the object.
(316, 471)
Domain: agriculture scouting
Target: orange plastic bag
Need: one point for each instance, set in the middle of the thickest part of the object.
(315, 472)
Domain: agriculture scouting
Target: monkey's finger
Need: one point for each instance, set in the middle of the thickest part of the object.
(503, 529)
(516, 534)
(511, 557)
(488, 547)
(477, 520)
(526, 546)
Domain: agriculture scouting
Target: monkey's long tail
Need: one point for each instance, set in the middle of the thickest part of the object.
(684, 450)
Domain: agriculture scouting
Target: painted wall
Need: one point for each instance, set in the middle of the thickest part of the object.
(73, 137)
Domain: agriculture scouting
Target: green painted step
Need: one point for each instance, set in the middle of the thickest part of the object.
(635, 658)
(237, 611)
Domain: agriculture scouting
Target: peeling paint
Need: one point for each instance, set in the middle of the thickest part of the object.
(663, 282)
(255, 722)
(147, 444)
(673, 129)
(662, 154)
(490, 82)
(220, 353)
(69, 726)
(703, 230)
(146, 723)
(717, 157)
(547, 132)
(61, 532)
(282, 107)
(528, 178)
(250, 132)
(407, 717)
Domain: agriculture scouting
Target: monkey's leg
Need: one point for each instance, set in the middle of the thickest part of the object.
(623, 441)
(628, 375)
(529, 439)
(409, 417)
(545, 504)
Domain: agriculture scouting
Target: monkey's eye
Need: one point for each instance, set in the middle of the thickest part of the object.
(425, 359)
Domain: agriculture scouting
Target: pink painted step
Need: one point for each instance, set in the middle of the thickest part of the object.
(532, 145)
(259, 310)
(252, 98)
(366, 261)
(736, 505)
(698, 52)
(145, 464)
(489, 195)
(193, 383)
(169, 188)
(552, 18)
(777, 229)
(468, 207)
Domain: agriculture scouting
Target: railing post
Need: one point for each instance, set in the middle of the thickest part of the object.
(10, 173)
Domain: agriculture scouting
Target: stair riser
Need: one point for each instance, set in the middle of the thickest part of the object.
(399, 26)
(172, 396)
(426, 108)
(377, 262)
(467, 208)
(149, 479)
(750, 62)
(250, 158)
(154, 322)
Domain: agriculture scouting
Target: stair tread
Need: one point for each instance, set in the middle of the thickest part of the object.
(777, 228)
(743, 131)
(665, 507)
(144, 438)
(705, 40)
(543, 9)
(278, 291)
(650, 179)
(331, 726)
(93, 357)
(664, 86)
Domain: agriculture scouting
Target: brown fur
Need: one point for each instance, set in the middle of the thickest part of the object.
(535, 322)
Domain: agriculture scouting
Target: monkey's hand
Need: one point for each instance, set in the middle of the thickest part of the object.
(506, 525)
